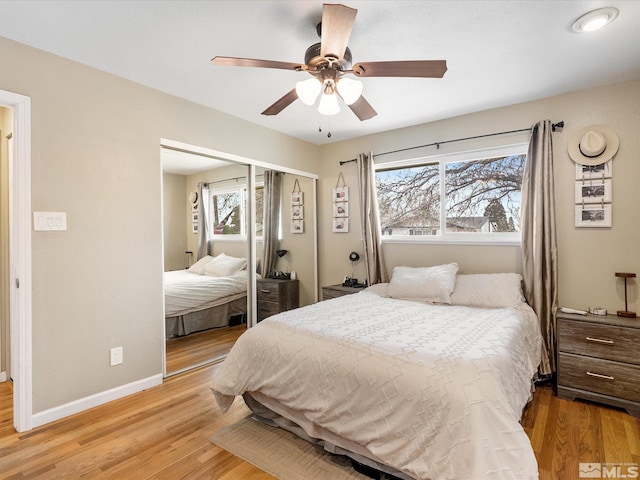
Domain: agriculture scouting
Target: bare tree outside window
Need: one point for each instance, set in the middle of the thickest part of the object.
(481, 196)
(226, 213)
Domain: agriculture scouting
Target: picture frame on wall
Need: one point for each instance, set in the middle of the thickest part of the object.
(341, 209)
(297, 198)
(594, 172)
(593, 191)
(597, 215)
(297, 212)
(341, 194)
(341, 225)
(297, 226)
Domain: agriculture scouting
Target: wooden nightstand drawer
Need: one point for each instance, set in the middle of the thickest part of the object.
(275, 296)
(602, 341)
(335, 291)
(266, 309)
(268, 292)
(598, 359)
(601, 376)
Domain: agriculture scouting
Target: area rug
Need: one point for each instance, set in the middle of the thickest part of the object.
(283, 454)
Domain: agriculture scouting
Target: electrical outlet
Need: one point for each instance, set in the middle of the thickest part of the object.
(116, 356)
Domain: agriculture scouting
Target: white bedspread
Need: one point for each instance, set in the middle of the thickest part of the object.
(186, 292)
(433, 391)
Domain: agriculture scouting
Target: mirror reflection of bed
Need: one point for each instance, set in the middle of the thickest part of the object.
(205, 308)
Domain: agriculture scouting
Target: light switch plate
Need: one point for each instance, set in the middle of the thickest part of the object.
(49, 221)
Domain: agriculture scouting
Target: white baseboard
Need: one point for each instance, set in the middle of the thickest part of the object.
(91, 401)
(3, 376)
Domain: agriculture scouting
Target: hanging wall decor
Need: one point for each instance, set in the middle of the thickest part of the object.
(193, 200)
(297, 209)
(340, 206)
(593, 149)
(593, 195)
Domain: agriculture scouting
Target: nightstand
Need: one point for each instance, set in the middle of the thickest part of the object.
(334, 291)
(275, 296)
(598, 359)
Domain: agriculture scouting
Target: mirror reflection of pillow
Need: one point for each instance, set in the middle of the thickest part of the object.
(224, 265)
(198, 267)
(423, 284)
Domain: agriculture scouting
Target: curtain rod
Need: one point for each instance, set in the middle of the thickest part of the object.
(228, 180)
(560, 125)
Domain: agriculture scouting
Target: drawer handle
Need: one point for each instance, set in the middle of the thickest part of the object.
(599, 340)
(597, 375)
(265, 291)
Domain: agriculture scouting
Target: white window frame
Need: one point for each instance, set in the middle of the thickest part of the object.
(456, 238)
(242, 188)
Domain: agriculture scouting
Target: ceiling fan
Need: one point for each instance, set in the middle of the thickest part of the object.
(329, 61)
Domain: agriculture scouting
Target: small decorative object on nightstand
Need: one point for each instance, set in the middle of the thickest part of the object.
(626, 312)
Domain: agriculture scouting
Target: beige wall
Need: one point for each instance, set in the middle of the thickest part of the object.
(95, 155)
(299, 245)
(174, 221)
(588, 258)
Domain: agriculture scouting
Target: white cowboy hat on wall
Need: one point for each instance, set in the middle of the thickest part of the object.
(593, 145)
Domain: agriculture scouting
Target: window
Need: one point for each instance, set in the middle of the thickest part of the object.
(228, 207)
(469, 196)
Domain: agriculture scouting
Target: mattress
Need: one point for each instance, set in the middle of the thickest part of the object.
(187, 292)
(433, 391)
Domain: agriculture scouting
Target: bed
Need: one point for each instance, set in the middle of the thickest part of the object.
(205, 296)
(417, 388)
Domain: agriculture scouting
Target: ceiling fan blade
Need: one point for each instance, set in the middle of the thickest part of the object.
(409, 68)
(363, 109)
(282, 103)
(337, 23)
(252, 62)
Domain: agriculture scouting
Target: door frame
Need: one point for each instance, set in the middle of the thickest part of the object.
(20, 293)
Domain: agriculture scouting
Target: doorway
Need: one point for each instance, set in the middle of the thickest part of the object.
(19, 255)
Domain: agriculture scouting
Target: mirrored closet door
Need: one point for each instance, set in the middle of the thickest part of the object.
(206, 300)
(210, 301)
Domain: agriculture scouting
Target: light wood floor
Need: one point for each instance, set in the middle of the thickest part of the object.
(163, 433)
(201, 347)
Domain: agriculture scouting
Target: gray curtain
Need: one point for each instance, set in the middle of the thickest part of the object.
(539, 241)
(271, 220)
(203, 231)
(370, 219)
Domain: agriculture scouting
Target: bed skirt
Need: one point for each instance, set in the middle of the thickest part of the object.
(213, 317)
(336, 445)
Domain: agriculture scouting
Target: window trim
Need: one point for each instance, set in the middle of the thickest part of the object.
(455, 238)
(242, 188)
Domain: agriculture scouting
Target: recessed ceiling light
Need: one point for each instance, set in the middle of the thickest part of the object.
(595, 20)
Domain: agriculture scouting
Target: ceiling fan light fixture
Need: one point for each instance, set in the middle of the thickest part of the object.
(328, 104)
(595, 20)
(308, 90)
(350, 90)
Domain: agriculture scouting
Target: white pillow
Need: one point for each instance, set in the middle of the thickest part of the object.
(424, 284)
(198, 267)
(489, 290)
(224, 266)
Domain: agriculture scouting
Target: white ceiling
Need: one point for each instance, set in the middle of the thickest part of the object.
(498, 52)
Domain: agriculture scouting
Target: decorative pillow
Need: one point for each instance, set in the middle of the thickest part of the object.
(491, 290)
(198, 267)
(224, 266)
(424, 284)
